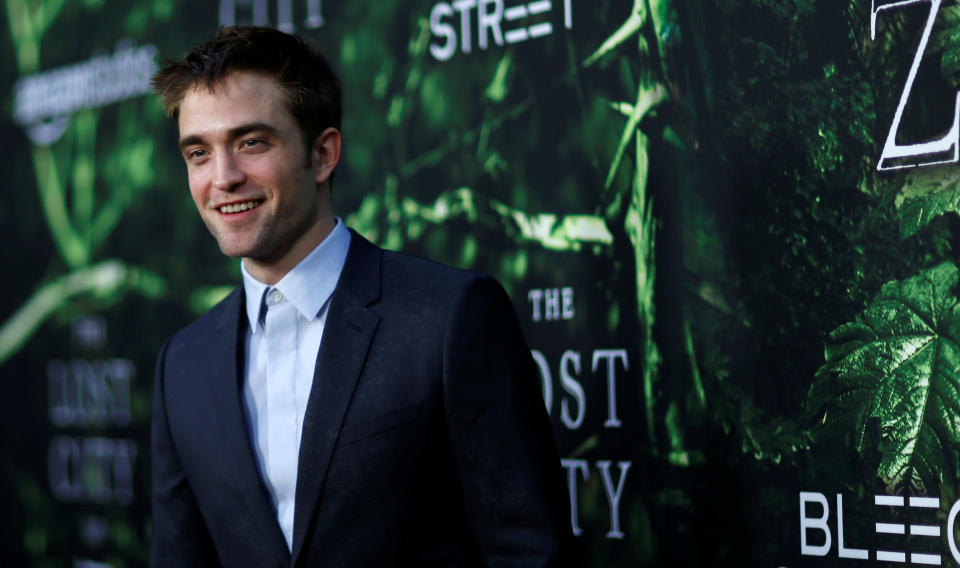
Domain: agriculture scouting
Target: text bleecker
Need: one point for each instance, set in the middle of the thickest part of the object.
(811, 523)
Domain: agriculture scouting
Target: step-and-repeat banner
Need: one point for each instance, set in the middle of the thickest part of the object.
(729, 228)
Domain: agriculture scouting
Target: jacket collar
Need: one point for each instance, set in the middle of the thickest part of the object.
(308, 285)
(348, 334)
(225, 367)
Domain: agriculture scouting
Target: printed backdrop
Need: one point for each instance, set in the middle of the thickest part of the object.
(729, 228)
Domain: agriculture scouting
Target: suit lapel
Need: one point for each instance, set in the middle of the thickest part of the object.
(347, 335)
(226, 365)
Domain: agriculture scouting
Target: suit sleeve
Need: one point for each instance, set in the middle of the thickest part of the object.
(180, 537)
(506, 456)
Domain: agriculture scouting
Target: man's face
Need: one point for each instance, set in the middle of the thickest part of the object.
(253, 183)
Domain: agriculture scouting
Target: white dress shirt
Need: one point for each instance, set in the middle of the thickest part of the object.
(286, 327)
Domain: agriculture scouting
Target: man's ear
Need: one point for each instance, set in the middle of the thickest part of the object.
(325, 154)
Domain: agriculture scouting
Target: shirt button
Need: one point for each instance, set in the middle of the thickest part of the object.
(276, 296)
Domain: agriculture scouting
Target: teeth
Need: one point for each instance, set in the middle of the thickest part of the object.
(238, 207)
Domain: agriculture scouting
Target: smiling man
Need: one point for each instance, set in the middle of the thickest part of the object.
(253, 176)
(346, 405)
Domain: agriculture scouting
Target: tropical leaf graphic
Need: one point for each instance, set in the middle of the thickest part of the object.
(891, 381)
(927, 193)
(947, 41)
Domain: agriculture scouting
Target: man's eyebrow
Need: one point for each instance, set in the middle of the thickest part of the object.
(190, 141)
(233, 133)
(245, 129)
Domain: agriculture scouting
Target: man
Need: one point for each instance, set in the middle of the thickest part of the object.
(346, 406)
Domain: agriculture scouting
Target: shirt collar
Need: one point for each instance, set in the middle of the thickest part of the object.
(309, 284)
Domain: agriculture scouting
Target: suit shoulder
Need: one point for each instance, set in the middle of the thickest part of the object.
(429, 276)
(434, 292)
(216, 317)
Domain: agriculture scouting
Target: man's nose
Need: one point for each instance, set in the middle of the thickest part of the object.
(228, 174)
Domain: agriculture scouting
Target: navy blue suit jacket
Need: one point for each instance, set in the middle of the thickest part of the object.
(425, 440)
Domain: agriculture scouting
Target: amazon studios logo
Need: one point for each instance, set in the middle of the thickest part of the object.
(491, 21)
(44, 102)
(816, 532)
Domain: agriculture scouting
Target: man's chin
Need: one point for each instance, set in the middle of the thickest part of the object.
(236, 250)
(255, 252)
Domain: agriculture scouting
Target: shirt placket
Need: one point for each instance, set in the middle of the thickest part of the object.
(281, 341)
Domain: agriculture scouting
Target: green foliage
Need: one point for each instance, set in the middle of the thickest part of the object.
(28, 22)
(634, 22)
(927, 194)
(946, 39)
(891, 382)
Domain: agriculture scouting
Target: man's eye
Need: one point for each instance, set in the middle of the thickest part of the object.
(196, 154)
(252, 143)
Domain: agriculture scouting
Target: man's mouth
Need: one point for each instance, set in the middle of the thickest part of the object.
(239, 207)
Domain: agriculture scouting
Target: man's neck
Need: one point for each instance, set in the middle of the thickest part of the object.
(271, 271)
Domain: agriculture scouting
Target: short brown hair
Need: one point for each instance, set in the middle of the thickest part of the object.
(311, 88)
